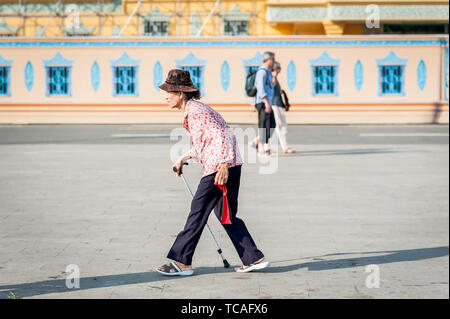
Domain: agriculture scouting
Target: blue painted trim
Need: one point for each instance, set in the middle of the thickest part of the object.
(336, 82)
(112, 82)
(136, 81)
(58, 60)
(391, 59)
(95, 76)
(256, 60)
(8, 81)
(192, 60)
(69, 81)
(125, 60)
(358, 75)
(325, 60)
(157, 75)
(29, 76)
(446, 80)
(421, 75)
(380, 77)
(228, 43)
(291, 75)
(5, 62)
(225, 76)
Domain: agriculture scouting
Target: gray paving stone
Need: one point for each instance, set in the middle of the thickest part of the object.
(327, 213)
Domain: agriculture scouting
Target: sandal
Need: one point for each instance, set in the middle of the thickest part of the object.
(172, 269)
(288, 151)
(256, 266)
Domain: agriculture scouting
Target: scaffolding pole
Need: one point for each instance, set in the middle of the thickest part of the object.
(58, 12)
(130, 16)
(199, 32)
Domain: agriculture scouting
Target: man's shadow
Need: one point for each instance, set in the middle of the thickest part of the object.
(321, 263)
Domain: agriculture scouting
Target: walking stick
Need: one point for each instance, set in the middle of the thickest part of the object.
(219, 250)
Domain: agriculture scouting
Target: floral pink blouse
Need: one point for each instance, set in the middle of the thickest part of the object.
(213, 142)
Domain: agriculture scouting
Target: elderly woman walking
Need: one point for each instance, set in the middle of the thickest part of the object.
(214, 146)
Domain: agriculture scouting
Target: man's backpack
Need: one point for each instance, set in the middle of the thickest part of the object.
(250, 88)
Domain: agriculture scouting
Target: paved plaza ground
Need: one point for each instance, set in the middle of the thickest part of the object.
(354, 202)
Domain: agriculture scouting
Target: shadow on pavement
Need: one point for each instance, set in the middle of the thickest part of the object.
(362, 151)
(59, 285)
(389, 256)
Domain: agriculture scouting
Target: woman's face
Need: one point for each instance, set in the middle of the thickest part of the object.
(174, 99)
(276, 72)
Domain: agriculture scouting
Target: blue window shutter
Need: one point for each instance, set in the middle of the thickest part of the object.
(4, 80)
(324, 80)
(391, 79)
(196, 75)
(124, 80)
(58, 80)
(324, 75)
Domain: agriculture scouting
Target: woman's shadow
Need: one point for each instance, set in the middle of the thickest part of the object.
(387, 256)
(318, 263)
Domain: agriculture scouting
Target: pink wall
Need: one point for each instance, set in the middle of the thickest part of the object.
(349, 49)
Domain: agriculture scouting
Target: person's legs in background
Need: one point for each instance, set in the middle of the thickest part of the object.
(262, 133)
(265, 127)
(255, 143)
(281, 128)
(267, 132)
(269, 126)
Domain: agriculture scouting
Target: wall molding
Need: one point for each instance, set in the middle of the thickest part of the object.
(189, 43)
(421, 75)
(358, 75)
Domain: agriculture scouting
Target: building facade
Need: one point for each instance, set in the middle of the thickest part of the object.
(86, 61)
(353, 79)
(53, 18)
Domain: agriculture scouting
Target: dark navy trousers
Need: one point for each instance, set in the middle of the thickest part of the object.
(208, 197)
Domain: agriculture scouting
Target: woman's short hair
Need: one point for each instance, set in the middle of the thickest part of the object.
(276, 65)
(192, 95)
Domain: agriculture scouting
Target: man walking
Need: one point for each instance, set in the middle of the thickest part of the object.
(263, 102)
